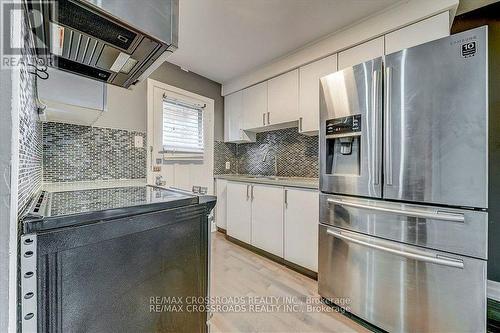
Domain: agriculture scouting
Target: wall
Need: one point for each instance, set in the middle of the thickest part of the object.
(30, 133)
(84, 153)
(296, 155)
(489, 16)
(396, 17)
(20, 163)
(175, 76)
(127, 108)
(105, 151)
(5, 193)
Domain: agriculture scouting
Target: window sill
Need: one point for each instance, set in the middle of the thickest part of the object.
(183, 157)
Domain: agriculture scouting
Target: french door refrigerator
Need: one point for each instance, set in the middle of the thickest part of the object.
(404, 182)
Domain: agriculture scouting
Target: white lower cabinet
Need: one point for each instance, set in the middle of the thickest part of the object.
(221, 206)
(267, 218)
(280, 220)
(239, 211)
(301, 227)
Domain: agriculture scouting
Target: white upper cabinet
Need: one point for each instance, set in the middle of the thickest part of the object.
(309, 92)
(233, 119)
(255, 106)
(283, 98)
(363, 52)
(233, 110)
(421, 32)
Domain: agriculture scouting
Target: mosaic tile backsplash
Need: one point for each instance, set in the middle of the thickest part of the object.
(84, 153)
(30, 128)
(225, 152)
(293, 154)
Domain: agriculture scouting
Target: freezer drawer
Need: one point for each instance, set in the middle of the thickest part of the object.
(451, 230)
(436, 122)
(402, 288)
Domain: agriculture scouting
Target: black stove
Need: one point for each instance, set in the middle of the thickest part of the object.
(94, 258)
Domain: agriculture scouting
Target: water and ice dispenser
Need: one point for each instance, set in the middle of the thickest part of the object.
(343, 145)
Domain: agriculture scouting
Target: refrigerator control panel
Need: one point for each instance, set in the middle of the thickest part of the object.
(343, 125)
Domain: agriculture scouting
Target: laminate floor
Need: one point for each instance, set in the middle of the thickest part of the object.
(279, 295)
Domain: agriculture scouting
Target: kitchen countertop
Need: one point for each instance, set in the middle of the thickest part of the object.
(312, 183)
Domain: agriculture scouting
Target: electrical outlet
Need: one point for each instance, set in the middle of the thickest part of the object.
(138, 141)
(228, 165)
(156, 168)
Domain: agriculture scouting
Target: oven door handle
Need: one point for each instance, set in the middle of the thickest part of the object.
(456, 263)
(445, 216)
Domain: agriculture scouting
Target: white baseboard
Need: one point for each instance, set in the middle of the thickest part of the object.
(493, 290)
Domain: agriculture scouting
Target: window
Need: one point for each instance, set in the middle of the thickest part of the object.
(182, 128)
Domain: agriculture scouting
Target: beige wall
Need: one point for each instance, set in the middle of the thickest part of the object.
(127, 108)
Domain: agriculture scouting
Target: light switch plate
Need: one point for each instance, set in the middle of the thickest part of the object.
(138, 141)
(228, 165)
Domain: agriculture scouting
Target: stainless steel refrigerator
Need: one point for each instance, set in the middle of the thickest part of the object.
(404, 182)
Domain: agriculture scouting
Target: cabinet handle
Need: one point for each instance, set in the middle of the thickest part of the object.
(268, 121)
(264, 119)
(251, 193)
(286, 198)
(247, 191)
(300, 124)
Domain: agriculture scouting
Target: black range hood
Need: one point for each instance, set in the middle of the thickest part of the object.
(117, 42)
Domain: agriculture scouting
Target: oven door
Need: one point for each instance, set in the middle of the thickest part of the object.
(401, 288)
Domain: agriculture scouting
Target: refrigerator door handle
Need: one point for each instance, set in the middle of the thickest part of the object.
(438, 215)
(376, 126)
(388, 131)
(440, 260)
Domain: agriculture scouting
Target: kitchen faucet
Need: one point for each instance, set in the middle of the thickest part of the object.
(275, 161)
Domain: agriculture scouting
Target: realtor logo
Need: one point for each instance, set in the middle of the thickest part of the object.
(16, 19)
(468, 49)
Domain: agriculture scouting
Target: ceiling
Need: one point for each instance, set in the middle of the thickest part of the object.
(222, 39)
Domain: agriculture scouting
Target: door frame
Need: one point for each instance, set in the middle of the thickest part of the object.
(209, 135)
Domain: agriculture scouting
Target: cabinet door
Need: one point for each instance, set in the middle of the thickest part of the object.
(254, 106)
(301, 227)
(239, 211)
(221, 206)
(418, 33)
(267, 218)
(233, 109)
(233, 122)
(309, 92)
(361, 53)
(283, 98)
